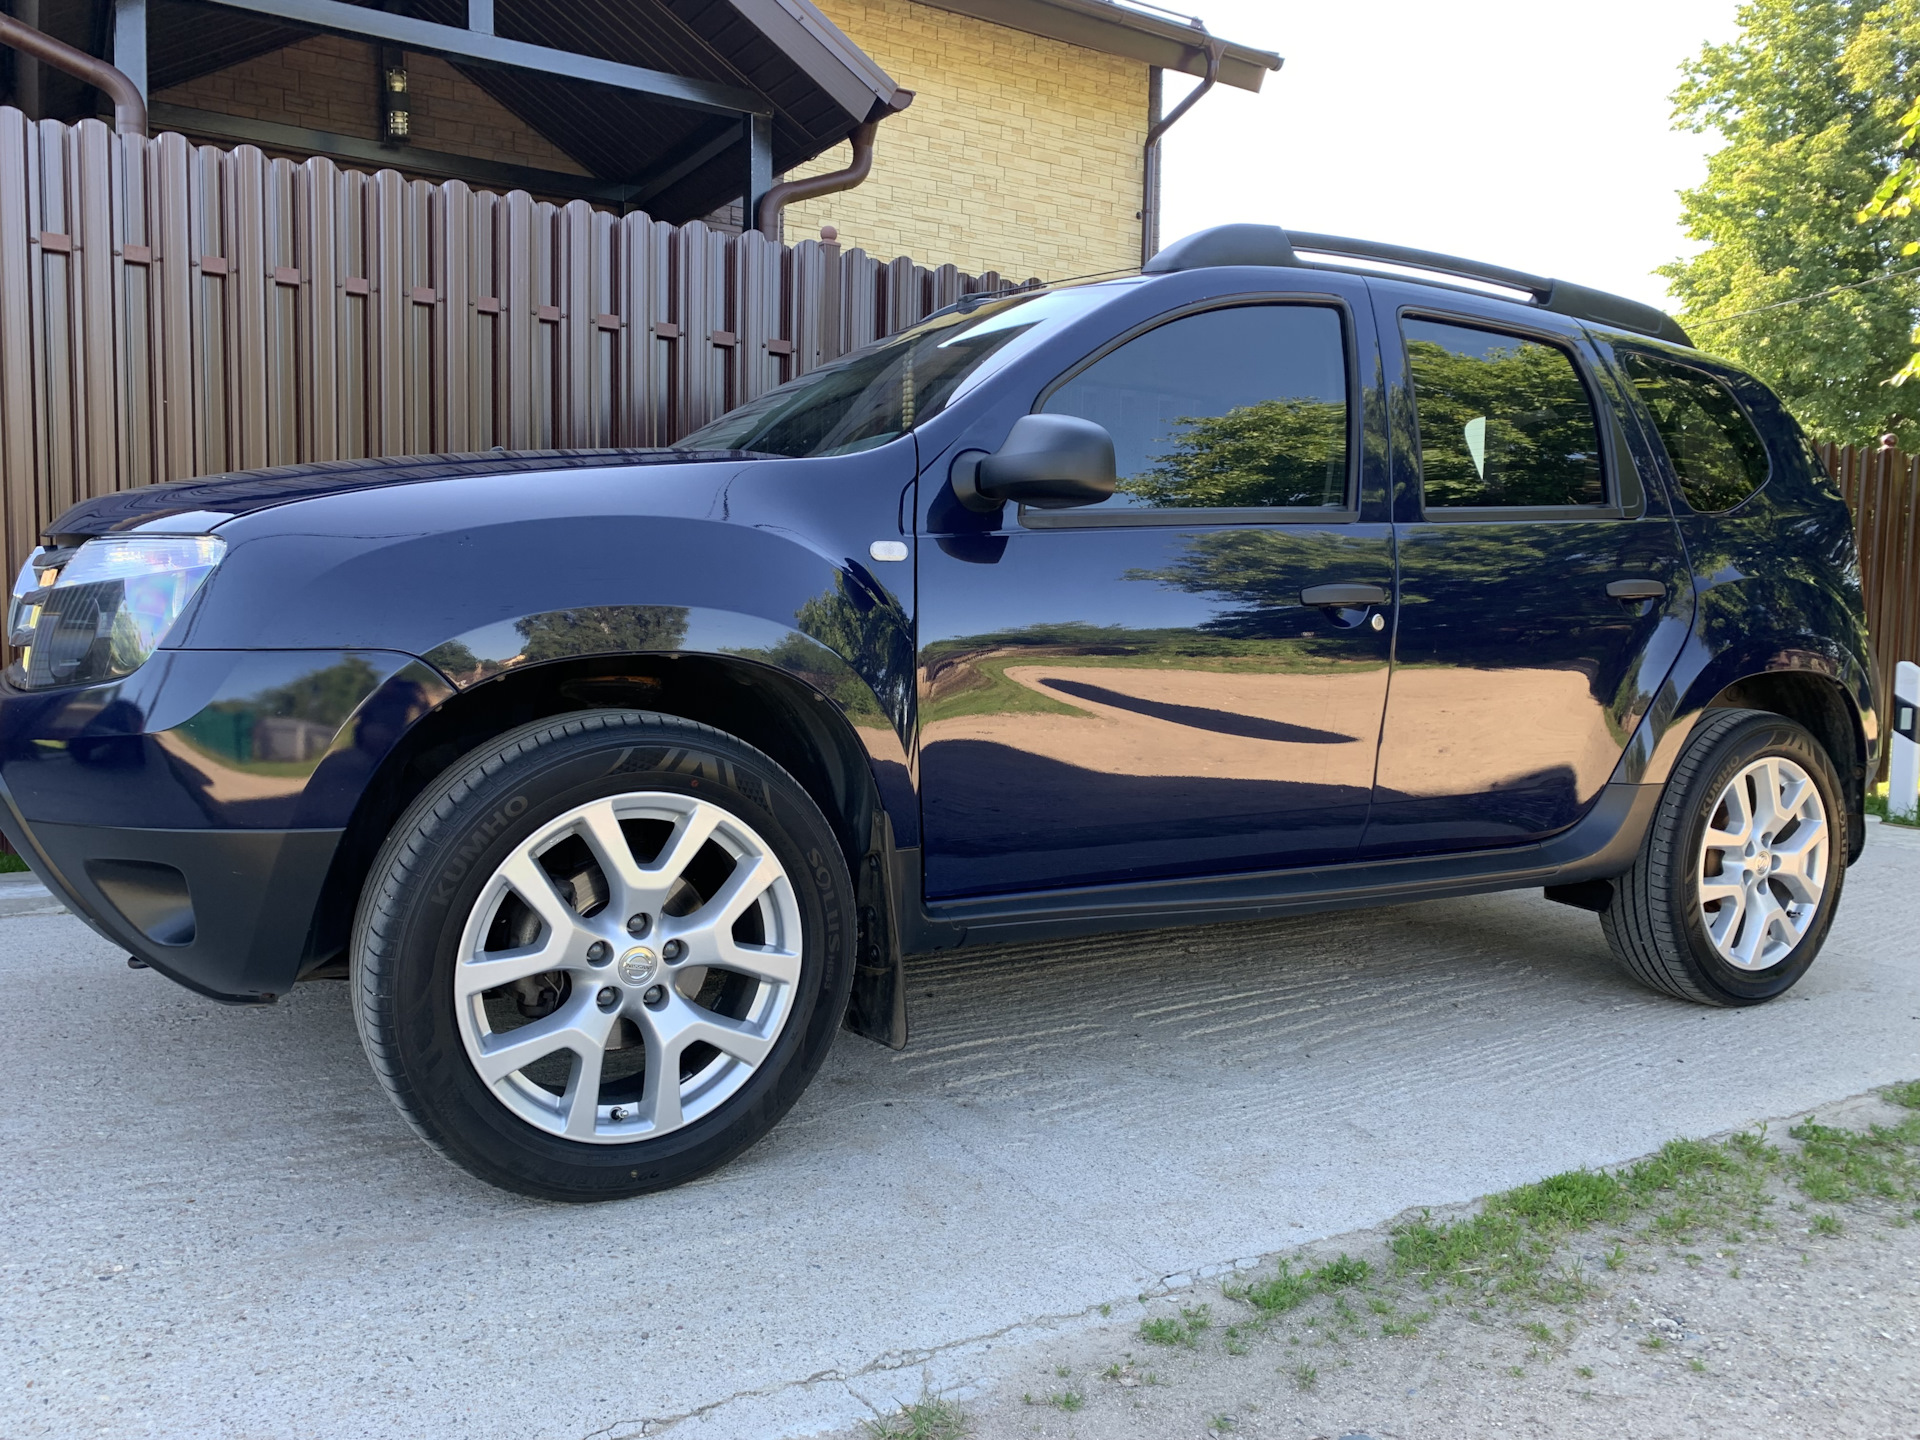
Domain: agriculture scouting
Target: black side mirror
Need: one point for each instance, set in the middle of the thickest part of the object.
(1049, 461)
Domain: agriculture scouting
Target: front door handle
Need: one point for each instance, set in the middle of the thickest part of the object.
(1343, 596)
(1637, 590)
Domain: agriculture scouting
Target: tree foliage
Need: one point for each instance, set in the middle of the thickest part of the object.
(1898, 198)
(1810, 99)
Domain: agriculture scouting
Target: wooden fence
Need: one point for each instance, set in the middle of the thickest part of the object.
(1883, 489)
(170, 310)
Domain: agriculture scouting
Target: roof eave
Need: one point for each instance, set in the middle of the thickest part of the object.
(821, 49)
(1116, 30)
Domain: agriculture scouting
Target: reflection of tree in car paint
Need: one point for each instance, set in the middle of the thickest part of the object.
(602, 630)
(1289, 452)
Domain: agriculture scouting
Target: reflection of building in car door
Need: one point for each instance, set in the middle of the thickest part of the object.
(1531, 591)
(1136, 688)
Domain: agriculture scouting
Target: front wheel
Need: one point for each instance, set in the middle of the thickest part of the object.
(1736, 883)
(603, 955)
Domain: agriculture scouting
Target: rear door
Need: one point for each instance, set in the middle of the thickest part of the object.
(1138, 689)
(1543, 589)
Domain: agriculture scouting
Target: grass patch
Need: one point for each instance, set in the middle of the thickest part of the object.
(1184, 1330)
(11, 864)
(1837, 1165)
(1687, 1187)
(925, 1419)
(1878, 804)
(1339, 1273)
(1278, 1293)
(1068, 1400)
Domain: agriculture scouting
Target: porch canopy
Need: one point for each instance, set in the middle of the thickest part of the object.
(675, 106)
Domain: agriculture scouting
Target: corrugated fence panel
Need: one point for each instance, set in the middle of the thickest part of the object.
(1882, 487)
(134, 333)
(245, 204)
(51, 281)
(700, 313)
(19, 466)
(91, 153)
(861, 318)
(760, 347)
(170, 310)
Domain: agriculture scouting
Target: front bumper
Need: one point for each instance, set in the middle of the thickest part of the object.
(226, 912)
(191, 813)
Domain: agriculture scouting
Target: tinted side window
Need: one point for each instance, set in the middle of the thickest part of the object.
(1236, 408)
(1503, 421)
(1718, 458)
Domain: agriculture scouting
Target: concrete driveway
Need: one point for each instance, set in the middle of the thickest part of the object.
(212, 1223)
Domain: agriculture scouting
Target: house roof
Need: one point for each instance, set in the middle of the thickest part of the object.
(1117, 29)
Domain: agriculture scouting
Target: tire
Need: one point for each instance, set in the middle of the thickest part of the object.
(527, 1031)
(1739, 952)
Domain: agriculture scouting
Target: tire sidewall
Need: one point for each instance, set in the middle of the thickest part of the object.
(451, 857)
(1763, 736)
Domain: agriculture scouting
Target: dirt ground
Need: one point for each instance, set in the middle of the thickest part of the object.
(1812, 1330)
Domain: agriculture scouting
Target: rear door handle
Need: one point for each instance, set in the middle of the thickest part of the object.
(1343, 596)
(1637, 590)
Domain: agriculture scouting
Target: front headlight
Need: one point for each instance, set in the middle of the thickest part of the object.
(96, 613)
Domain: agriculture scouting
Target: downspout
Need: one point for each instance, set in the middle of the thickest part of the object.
(129, 110)
(789, 192)
(1150, 193)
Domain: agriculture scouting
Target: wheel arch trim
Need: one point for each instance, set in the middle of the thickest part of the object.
(789, 695)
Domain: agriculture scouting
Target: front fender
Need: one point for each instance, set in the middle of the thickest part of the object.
(762, 560)
(853, 616)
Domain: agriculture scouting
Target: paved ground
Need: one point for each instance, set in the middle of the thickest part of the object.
(1804, 1328)
(212, 1223)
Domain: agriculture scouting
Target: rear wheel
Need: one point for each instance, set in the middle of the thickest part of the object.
(604, 955)
(1735, 885)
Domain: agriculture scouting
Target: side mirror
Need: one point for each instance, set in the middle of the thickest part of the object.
(1049, 461)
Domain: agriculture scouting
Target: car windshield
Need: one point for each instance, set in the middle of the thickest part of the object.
(879, 393)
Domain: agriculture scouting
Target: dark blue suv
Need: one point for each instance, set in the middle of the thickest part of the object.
(617, 782)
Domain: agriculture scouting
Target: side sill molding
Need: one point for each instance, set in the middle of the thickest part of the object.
(1601, 844)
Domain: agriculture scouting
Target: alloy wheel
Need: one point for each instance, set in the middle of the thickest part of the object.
(1763, 863)
(628, 968)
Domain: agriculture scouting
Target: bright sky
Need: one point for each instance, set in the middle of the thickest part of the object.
(1529, 133)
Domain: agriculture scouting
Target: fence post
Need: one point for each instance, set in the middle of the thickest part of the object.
(1903, 779)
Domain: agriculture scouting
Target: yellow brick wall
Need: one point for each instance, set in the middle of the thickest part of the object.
(1019, 153)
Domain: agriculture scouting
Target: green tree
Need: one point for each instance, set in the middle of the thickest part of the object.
(1897, 198)
(1809, 99)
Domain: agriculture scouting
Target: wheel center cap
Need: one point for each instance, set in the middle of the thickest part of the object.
(637, 965)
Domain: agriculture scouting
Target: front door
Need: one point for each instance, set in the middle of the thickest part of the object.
(1138, 689)
(1543, 593)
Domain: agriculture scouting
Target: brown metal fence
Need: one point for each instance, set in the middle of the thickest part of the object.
(170, 310)
(1883, 489)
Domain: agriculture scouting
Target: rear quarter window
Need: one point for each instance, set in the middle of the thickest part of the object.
(1717, 455)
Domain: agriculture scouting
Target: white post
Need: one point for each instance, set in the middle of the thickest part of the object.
(1903, 785)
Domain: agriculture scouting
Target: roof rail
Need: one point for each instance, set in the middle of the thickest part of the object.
(1560, 296)
(1270, 245)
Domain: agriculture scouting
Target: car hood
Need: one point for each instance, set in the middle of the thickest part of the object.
(202, 505)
